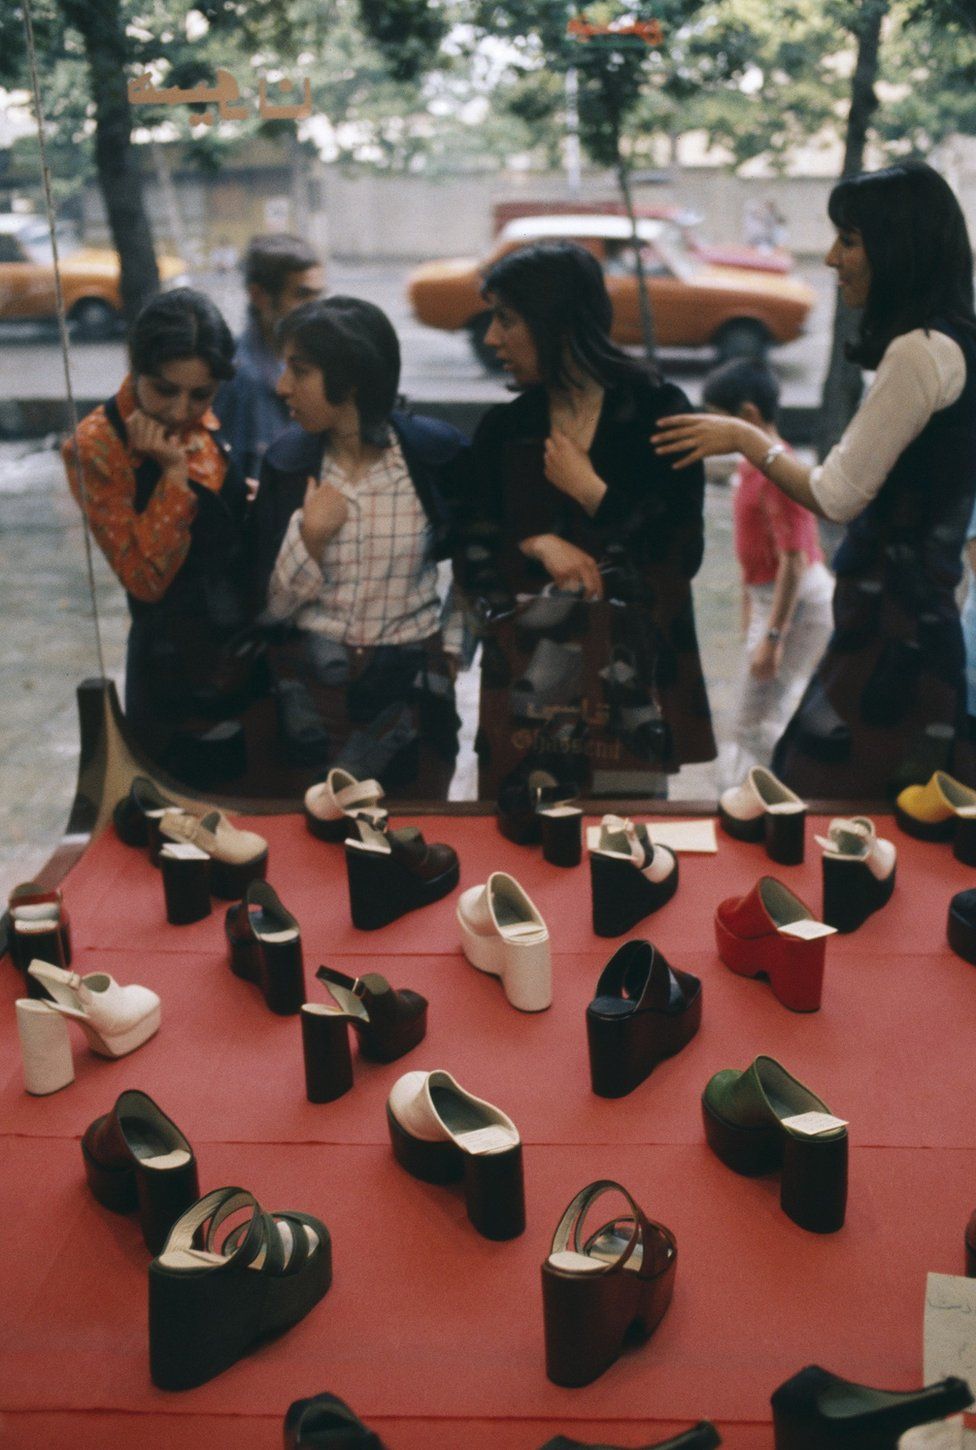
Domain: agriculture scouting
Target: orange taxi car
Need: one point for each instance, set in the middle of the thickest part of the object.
(89, 277)
(736, 312)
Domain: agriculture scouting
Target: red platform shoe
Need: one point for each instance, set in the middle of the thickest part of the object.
(771, 933)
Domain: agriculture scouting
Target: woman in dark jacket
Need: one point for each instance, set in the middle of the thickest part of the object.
(353, 512)
(167, 507)
(568, 493)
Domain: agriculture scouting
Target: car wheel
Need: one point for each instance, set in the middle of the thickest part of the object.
(744, 338)
(486, 355)
(94, 319)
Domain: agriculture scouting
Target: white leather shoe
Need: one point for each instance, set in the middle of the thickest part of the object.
(331, 806)
(116, 1020)
(503, 933)
(762, 807)
(236, 857)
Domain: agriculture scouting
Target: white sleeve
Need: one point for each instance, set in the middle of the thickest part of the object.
(296, 578)
(919, 375)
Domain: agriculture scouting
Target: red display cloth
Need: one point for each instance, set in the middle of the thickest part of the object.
(433, 1333)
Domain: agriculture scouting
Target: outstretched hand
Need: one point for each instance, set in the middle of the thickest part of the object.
(698, 436)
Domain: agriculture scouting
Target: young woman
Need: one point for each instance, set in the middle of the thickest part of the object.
(888, 695)
(353, 512)
(167, 509)
(564, 482)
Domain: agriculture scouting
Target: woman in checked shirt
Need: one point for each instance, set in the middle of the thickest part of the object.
(353, 512)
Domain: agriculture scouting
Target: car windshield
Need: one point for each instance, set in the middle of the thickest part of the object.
(36, 241)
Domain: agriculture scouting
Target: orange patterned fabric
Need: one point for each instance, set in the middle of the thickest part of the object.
(145, 550)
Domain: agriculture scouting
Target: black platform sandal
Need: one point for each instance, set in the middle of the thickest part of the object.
(266, 948)
(858, 872)
(630, 877)
(817, 1410)
(389, 1023)
(393, 872)
(132, 813)
(643, 1012)
(211, 1299)
(136, 1157)
(441, 1134)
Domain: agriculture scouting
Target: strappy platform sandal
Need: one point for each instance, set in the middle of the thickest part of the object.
(441, 1134)
(599, 1293)
(393, 872)
(630, 877)
(817, 1410)
(331, 807)
(643, 1012)
(213, 1298)
(115, 1019)
(389, 1024)
(858, 872)
(136, 1157)
(265, 944)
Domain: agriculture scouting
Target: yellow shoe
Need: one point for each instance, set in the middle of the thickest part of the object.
(931, 812)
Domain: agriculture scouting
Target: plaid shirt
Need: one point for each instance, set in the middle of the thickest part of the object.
(376, 582)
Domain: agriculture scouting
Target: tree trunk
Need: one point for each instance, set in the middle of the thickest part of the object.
(100, 25)
(643, 301)
(843, 384)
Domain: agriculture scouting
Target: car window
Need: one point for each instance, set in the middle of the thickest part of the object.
(10, 250)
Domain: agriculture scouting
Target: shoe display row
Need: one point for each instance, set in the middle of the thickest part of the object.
(226, 1275)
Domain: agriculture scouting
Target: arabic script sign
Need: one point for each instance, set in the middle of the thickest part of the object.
(224, 94)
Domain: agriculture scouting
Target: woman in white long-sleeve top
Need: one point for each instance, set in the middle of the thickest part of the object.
(890, 687)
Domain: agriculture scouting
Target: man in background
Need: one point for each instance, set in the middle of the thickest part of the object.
(280, 272)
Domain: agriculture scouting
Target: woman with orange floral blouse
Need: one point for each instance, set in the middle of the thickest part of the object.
(166, 507)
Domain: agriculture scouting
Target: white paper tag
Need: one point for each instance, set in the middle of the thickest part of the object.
(786, 808)
(561, 811)
(812, 1124)
(694, 837)
(485, 1140)
(968, 811)
(806, 930)
(184, 851)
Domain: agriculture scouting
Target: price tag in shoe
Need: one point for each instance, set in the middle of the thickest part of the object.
(806, 930)
(812, 1124)
(184, 851)
(485, 1140)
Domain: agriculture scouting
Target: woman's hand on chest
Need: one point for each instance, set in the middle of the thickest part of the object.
(568, 468)
(324, 512)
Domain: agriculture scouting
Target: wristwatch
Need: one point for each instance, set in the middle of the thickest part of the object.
(771, 455)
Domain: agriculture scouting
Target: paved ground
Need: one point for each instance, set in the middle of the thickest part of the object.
(48, 643)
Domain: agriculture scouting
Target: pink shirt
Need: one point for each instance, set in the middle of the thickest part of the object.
(768, 524)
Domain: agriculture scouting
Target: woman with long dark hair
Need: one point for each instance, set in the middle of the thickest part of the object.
(883, 706)
(570, 494)
(353, 512)
(166, 506)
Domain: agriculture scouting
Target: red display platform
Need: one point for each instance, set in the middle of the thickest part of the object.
(432, 1333)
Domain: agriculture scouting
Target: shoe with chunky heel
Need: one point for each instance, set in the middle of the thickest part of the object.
(215, 1296)
(393, 872)
(133, 812)
(523, 796)
(817, 1410)
(771, 933)
(603, 1291)
(858, 872)
(265, 944)
(236, 857)
(629, 876)
(45, 1048)
(115, 1020)
(942, 810)
(331, 806)
(762, 808)
(324, 1422)
(39, 930)
(702, 1436)
(442, 1134)
(137, 1158)
(388, 1022)
(762, 1119)
(643, 1012)
(503, 934)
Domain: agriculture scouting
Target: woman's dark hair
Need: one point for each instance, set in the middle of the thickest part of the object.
(354, 345)
(914, 234)
(558, 288)
(743, 380)
(181, 324)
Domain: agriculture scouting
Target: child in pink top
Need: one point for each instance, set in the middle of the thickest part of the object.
(787, 589)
